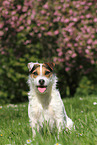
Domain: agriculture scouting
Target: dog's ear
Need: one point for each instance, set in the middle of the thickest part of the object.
(50, 65)
(30, 66)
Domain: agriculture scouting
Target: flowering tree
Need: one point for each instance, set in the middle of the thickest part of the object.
(64, 30)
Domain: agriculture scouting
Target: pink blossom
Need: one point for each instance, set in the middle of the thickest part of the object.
(21, 18)
(5, 12)
(66, 20)
(70, 52)
(60, 59)
(21, 28)
(67, 69)
(19, 7)
(28, 13)
(67, 58)
(6, 29)
(13, 18)
(75, 44)
(83, 3)
(89, 41)
(95, 20)
(62, 19)
(1, 25)
(56, 13)
(70, 30)
(42, 28)
(29, 21)
(82, 17)
(38, 24)
(12, 22)
(62, 1)
(2, 52)
(78, 5)
(60, 53)
(71, 24)
(87, 51)
(13, 12)
(39, 35)
(28, 28)
(92, 62)
(33, 14)
(24, 8)
(80, 66)
(49, 33)
(1, 9)
(74, 19)
(56, 32)
(89, 47)
(81, 43)
(43, 12)
(70, 11)
(92, 36)
(59, 7)
(35, 29)
(27, 42)
(1, 33)
(46, 6)
(89, 4)
(55, 59)
(69, 45)
(86, 7)
(95, 42)
(66, 39)
(73, 55)
(31, 34)
(6, 2)
(88, 16)
(58, 50)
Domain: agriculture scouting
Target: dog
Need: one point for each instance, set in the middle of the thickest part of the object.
(45, 103)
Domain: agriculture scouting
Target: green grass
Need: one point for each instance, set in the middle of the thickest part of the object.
(15, 129)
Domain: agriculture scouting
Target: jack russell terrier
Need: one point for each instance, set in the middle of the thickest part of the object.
(45, 103)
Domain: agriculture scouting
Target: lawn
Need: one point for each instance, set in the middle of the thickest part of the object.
(15, 129)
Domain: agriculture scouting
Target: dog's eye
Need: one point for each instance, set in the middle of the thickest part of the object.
(35, 73)
(47, 73)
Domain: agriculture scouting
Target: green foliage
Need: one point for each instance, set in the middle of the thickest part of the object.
(60, 31)
(13, 77)
(15, 127)
(86, 87)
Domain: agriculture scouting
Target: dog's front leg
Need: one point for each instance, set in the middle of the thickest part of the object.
(59, 124)
(35, 128)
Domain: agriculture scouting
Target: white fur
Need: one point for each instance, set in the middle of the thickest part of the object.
(46, 106)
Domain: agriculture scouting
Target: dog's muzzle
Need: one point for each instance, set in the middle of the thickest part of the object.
(42, 88)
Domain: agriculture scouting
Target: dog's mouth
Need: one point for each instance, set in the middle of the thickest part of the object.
(42, 89)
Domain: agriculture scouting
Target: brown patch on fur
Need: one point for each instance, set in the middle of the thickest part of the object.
(47, 69)
(46, 72)
(36, 71)
(50, 65)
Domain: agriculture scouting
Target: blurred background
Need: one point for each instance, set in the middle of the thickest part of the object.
(62, 31)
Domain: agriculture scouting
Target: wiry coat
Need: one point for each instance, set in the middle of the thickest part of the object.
(47, 107)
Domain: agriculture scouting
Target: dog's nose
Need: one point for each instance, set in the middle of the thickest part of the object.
(41, 81)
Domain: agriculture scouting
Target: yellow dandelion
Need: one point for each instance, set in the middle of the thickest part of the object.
(1, 135)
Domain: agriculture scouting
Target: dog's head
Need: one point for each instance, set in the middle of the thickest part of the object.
(41, 75)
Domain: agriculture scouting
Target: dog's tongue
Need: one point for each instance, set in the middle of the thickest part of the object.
(41, 90)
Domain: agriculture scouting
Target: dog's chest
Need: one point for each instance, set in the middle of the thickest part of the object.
(45, 114)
